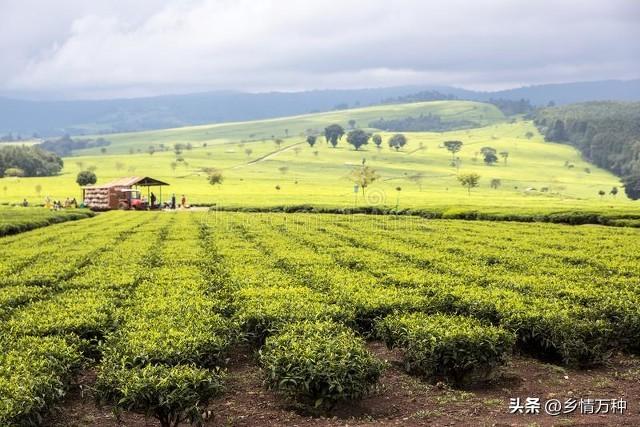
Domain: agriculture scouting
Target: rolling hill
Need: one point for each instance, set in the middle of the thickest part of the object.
(537, 176)
(56, 117)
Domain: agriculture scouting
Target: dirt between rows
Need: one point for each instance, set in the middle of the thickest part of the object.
(402, 399)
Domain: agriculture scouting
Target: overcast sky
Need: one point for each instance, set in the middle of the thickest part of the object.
(114, 48)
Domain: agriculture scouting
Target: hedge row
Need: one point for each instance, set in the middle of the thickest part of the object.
(19, 220)
(563, 217)
(163, 359)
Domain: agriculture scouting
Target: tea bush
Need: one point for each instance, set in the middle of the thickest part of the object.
(318, 364)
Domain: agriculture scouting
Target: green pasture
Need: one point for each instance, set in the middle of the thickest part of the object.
(258, 173)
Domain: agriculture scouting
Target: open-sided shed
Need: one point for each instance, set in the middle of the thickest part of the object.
(123, 193)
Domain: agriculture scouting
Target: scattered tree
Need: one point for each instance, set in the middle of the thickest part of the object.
(86, 178)
(352, 124)
(278, 142)
(377, 139)
(397, 141)
(417, 178)
(363, 177)
(601, 193)
(490, 158)
(358, 138)
(614, 191)
(528, 135)
(333, 134)
(469, 180)
(495, 183)
(453, 147)
(119, 166)
(283, 169)
(103, 150)
(215, 177)
(248, 152)
(505, 156)
(311, 140)
(173, 165)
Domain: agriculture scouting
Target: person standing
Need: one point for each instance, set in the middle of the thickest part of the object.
(183, 201)
(153, 200)
(173, 201)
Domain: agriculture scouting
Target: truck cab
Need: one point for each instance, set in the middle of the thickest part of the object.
(131, 199)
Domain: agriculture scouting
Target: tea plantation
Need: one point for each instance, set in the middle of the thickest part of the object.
(158, 303)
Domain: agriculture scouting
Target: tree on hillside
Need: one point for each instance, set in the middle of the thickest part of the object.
(505, 156)
(86, 178)
(377, 139)
(363, 177)
(311, 140)
(453, 147)
(632, 186)
(469, 180)
(352, 124)
(495, 183)
(278, 142)
(614, 191)
(215, 177)
(397, 141)
(333, 134)
(358, 138)
(485, 150)
(601, 193)
(490, 158)
(28, 161)
(528, 135)
(248, 152)
(417, 178)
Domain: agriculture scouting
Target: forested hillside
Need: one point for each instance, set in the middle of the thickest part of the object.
(607, 134)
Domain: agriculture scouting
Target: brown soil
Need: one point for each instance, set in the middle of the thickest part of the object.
(402, 400)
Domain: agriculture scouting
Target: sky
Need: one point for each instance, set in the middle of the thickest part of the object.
(75, 49)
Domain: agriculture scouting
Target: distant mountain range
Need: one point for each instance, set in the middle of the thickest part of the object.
(49, 118)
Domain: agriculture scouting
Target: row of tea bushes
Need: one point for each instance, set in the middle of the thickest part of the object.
(48, 338)
(164, 359)
(15, 220)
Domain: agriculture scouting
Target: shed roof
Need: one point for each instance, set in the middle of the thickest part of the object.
(142, 181)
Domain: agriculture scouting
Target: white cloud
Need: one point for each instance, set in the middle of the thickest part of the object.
(81, 48)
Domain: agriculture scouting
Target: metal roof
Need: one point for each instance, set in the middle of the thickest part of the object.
(141, 181)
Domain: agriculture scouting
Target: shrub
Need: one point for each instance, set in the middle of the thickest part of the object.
(262, 311)
(460, 349)
(172, 394)
(34, 372)
(318, 364)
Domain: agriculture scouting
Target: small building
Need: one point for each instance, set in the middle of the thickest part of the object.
(123, 193)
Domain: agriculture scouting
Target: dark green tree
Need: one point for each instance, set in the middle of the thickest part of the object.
(453, 147)
(397, 141)
(311, 140)
(333, 134)
(358, 138)
(86, 178)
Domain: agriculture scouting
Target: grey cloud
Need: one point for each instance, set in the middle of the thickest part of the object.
(81, 48)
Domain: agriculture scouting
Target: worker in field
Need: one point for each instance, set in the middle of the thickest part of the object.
(173, 201)
(183, 201)
(153, 199)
